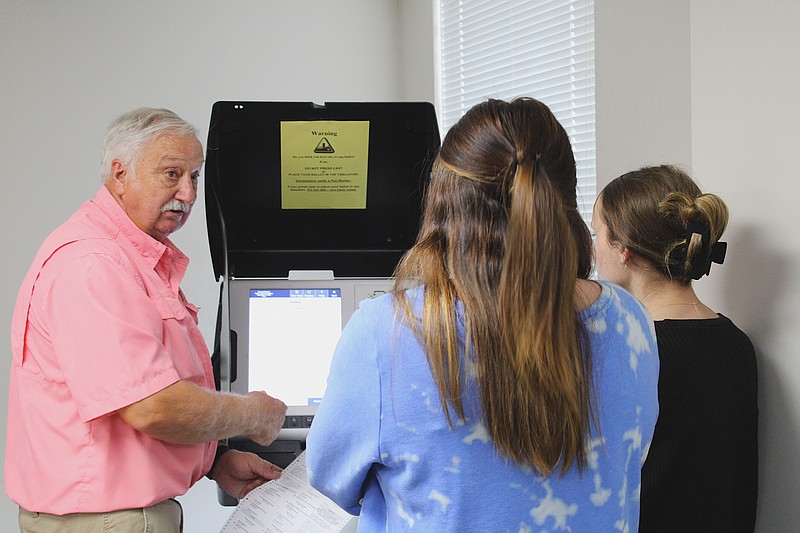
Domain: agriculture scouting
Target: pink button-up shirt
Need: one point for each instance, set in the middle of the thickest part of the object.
(100, 323)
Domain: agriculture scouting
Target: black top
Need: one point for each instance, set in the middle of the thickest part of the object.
(701, 473)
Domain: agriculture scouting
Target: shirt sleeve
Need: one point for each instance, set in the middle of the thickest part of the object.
(344, 441)
(647, 378)
(106, 333)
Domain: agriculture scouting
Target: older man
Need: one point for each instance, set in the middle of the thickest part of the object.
(112, 408)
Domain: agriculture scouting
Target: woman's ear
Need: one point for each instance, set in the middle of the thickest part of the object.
(624, 255)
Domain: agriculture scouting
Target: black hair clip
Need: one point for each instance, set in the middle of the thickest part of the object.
(708, 254)
(718, 251)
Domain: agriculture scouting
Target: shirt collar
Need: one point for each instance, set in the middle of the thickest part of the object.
(151, 249)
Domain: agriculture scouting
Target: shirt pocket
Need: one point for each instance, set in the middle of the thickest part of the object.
(179, 339)
(192, 309)
(169, 308)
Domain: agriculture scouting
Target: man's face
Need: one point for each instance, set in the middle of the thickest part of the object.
(160, 196)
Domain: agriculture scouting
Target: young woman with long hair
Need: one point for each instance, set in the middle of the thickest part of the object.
(496, 388)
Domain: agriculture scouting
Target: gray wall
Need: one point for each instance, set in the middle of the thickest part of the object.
(701, 83)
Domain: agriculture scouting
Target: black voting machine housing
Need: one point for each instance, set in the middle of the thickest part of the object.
(251, 236)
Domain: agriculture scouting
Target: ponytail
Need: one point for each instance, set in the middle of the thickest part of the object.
(501, 234)
(544, 375)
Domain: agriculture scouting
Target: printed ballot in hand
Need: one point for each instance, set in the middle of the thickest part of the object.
(288, 505)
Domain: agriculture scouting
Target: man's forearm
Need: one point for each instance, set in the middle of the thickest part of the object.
(185, 413)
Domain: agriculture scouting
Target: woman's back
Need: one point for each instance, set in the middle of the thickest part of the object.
(704, 457)
(381, 435)
(657, 232)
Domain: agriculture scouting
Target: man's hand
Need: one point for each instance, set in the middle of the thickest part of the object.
(269, 414)
(237, 473)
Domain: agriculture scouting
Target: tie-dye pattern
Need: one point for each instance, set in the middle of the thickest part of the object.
(380, 445)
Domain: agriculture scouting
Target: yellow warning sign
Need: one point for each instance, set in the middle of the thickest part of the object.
(324, 164)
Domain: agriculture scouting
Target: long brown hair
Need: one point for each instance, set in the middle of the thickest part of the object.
(648, 211)
(502, 235)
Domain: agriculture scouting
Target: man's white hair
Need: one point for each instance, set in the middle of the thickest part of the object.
(129, 133)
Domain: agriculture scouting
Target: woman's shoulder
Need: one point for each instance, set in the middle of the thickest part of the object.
(586, 293)
(611, 298)
(722, 330)
(617, 318)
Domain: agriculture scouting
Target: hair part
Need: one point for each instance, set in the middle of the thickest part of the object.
(501, 234)
(648, 210)
(129, 133)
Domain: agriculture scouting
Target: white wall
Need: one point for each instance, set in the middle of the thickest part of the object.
(68, 68)
(712, 86)
(643, 92)
(700, 83)
(745, 111)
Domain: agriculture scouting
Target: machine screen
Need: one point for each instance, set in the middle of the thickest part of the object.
(293, 333)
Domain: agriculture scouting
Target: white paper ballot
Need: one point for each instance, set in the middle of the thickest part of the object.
(288, 505)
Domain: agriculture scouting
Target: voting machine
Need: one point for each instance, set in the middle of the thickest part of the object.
(309, 208)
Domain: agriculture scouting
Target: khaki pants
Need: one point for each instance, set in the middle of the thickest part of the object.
(164, 517)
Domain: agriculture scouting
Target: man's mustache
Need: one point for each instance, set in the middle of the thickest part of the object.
(176, 205)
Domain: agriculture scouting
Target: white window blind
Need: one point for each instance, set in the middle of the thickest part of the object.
(509, 48)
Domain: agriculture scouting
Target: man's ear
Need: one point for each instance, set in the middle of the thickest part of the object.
(120, 174)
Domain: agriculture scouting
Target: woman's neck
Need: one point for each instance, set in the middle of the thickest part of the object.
(666, 299)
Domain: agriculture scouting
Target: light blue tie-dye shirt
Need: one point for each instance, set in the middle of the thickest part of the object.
(381, 448)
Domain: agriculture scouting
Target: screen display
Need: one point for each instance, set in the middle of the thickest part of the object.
(293, 333)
